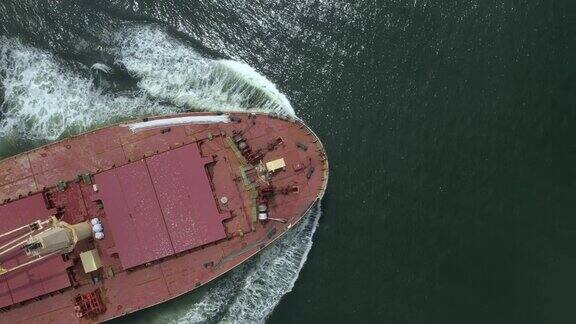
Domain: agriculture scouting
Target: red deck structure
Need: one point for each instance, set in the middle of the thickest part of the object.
(186, 199)
(134, 214)
(36, 280)
(180, 205)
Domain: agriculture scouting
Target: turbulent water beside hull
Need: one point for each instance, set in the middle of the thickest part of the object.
(251, 291)
(46, 98)
(170, 70)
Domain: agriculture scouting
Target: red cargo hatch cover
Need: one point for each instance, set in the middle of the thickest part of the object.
(40, 278)
(160, 206)
(186, 198)
(133, 211)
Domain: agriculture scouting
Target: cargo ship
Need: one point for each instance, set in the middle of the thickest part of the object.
(132, 215)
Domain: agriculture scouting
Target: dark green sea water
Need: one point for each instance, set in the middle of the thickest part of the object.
(450, 128)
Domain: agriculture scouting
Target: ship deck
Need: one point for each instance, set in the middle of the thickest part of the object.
(177, 203)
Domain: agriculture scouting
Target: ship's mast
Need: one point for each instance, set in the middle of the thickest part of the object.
(40, 240)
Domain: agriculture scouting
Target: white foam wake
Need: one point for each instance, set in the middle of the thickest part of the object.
(252, 291)
(45, 99)
(172, 71)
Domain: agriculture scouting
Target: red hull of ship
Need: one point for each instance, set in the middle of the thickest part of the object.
(177, 203)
